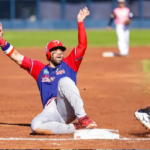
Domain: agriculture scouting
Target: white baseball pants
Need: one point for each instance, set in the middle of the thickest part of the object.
(123, 39)
(57, 115)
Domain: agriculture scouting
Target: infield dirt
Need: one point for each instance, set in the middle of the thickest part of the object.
(112, 90)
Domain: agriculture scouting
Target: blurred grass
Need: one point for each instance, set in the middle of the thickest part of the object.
(39, 38)
(146, 65)
(146, 69)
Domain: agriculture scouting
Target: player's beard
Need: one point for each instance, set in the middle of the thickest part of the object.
(55, 61)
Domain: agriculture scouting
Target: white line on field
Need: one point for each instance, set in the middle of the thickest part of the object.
(69, 139)
(134, 139)
(33, 139)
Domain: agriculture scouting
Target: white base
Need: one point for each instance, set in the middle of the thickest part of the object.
(96, 134)
(108, 54)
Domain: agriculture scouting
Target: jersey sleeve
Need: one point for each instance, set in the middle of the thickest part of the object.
(33, 67)
(75, 57)
(112, 17)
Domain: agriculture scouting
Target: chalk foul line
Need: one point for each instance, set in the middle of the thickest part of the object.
(69, 139)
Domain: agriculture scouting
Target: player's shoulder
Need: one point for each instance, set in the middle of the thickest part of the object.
(116, 9)
(37, 63)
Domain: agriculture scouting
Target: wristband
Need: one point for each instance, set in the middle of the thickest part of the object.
(2, 42)
(7, 49)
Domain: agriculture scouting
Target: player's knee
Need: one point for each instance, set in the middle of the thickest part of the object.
(65, 81)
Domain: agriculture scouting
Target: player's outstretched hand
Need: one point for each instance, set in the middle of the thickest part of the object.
(108, 28)
(83, 14)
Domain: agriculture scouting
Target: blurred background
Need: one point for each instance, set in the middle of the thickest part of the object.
(61, 14)
(26, 21)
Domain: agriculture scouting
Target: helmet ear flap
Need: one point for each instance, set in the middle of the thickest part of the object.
(48, 55)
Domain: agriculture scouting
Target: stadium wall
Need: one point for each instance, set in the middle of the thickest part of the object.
(61, 14)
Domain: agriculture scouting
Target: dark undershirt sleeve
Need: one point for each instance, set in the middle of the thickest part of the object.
(112, 17)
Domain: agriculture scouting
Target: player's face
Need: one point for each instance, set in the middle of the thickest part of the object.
(57, 56)
(121, 4)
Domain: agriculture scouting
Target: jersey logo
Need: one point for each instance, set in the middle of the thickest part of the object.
(48, 79)
(46, 71)
(60, 72)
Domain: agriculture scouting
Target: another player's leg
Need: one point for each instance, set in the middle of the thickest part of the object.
(143, 115)
(70, 104)
(120, 30)
(127, 37)
(49, 121)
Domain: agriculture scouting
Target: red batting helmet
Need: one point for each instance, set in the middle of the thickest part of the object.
(53, 45)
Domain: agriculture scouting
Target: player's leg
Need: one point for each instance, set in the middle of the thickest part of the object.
(143, 115)
(121, 39)
(127, 37)
(70, 103)
(49, 121)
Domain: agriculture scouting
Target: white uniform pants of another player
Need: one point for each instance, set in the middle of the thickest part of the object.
(55, 117)
(123, 39)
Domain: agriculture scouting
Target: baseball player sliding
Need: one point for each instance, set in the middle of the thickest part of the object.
(57, 83)
(122, 16)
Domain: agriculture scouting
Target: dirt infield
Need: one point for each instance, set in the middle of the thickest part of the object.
(112, 90)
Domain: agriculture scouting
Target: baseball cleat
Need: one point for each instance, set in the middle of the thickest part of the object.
(143, 117)
(77, 125)
(87, 123)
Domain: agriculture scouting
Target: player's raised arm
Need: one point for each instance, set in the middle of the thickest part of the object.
(9, 50)
(82, 37)
(76, 55)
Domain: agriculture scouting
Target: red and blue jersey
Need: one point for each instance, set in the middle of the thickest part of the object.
(47, 78)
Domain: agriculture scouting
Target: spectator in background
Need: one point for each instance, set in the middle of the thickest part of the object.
(122, 16)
